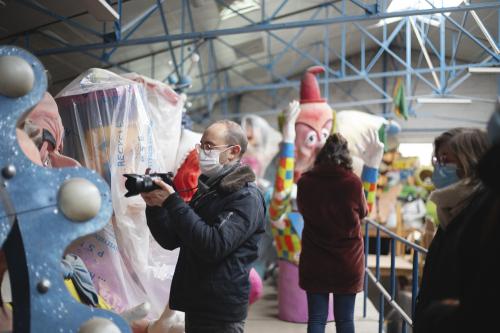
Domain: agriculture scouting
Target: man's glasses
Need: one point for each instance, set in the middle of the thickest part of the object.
(207, 148)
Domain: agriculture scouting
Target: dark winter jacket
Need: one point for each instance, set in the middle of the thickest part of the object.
(332, 202)
(478, 255)
(441, 274)
(217, 234)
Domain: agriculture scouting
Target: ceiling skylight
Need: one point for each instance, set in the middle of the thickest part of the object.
(240, 6)
(403, 5)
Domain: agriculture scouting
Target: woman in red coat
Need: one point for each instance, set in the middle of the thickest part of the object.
(331, 200)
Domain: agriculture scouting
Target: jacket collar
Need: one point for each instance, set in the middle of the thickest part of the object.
(231, 179)
(237, 178)
(329, 169)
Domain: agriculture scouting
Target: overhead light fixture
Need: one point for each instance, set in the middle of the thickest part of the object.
(239, 6)
(101, 10)
(484, 70)
(53, 35)
(443, 100)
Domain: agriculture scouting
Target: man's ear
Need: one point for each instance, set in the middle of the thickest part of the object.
(236, 150)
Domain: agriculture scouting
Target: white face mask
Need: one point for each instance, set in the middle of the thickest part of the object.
(209, 163)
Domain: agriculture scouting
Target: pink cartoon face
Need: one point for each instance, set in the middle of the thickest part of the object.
(308, 142)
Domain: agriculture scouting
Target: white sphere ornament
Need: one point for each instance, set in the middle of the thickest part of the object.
(79, 199)
(99, 325)
(195, 57)
(17, 77)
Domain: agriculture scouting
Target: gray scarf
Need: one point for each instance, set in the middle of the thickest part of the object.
(451, 200)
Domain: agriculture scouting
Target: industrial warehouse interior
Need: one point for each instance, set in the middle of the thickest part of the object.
(252, 166)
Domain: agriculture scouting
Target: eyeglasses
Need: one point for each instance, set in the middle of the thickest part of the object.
(440, 160)
(207, 148)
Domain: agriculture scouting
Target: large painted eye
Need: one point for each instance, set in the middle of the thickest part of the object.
(311, 138)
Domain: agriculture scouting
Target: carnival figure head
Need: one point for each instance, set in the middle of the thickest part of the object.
(314, 123)
(45, 128)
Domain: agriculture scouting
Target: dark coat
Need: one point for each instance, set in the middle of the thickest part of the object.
(443, 265)
(480, 244)
(479, 257)
(332, 202)
(478, 252)
(217, 234)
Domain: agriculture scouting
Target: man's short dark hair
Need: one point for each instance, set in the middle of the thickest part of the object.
(234, 134)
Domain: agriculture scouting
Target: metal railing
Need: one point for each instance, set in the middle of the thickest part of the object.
(391, 294)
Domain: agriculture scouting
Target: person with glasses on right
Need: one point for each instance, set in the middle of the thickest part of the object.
(457, 153)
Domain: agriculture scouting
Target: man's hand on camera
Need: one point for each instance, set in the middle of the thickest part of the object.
(158, 197)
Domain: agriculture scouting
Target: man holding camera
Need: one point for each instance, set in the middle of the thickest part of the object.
(217, 233)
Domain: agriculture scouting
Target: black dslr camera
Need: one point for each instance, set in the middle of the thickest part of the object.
(136, 184)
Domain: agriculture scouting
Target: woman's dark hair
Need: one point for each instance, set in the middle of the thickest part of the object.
(445, 137)
(335, 151)
(469, 147)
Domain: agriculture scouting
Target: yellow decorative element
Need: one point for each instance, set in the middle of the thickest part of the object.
(334, 122)
(371, 197)
(404, 163)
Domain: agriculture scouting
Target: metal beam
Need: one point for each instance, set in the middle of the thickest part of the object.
(465, 31)
(395, 56)
(280, 7)
(386, 43)
(118, 23)
(370, 76)
(253, 61)
(455, 44)
(485, 31)
(409, 64)
(369, 9)
(184, 59)
(363, 76)
(165, 29)
(280, 55)
(426, 54)
(268, 27)
(63, 19)
(299, 51)
(133, 26)
(88, 54)
(442, 56)
(200, 66)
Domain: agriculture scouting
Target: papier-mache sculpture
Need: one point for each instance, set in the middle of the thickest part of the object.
(42, 211)
(111, 127)
(305, 127)
(176, 142)
(262, 147)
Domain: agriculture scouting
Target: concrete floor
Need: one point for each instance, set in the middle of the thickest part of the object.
(263, 317)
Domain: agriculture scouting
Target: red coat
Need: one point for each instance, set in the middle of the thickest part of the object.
(332, 202)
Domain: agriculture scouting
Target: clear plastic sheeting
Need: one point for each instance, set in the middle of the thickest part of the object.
(164, 105)
(112, 126)
(263, 143)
